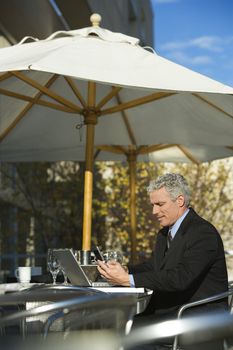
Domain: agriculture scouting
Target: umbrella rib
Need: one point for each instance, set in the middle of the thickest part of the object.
(126, 122)
(137, 102)
(188, 154)
(5, 76)
(113, 149)
(155, 148)
(160, 147)
(109, 96)
(75, 91)
(15, 122)
(25, 109)
(46, 91)
(212, 105)
(38, 102)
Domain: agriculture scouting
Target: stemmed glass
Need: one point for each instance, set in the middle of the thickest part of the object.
(113, 255)
(64, 275)
(53, 265)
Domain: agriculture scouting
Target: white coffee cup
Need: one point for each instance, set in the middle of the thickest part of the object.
(23, 274)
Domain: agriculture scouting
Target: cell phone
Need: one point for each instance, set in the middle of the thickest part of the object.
(98, 254)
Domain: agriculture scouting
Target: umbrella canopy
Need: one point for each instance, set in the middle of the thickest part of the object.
(92, 86)
(174, 153)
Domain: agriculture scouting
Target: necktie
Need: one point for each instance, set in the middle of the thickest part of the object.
(169, 238)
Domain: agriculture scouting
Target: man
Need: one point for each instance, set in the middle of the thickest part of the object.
(188, 266)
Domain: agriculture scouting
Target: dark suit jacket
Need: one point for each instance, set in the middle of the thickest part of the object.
(193, 268)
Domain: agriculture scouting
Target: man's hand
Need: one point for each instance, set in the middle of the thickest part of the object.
(114, 273)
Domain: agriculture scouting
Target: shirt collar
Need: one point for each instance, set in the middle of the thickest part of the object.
(174, 228)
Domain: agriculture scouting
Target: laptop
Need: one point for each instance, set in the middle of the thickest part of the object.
(74, 270)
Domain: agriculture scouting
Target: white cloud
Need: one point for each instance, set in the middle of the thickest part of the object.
(200, 60)
(182, 58)
(211, 43)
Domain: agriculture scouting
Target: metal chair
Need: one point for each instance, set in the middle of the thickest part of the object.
(220, 296)
(37, 295)
(161, 332)
(195, 330)
(96, 311)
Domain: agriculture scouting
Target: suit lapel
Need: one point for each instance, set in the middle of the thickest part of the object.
(178, 237)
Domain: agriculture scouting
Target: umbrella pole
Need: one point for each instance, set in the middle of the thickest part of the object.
(88, 188)
(133, 223)
(90, 117)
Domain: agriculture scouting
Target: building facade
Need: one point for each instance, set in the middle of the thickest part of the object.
(40, 18)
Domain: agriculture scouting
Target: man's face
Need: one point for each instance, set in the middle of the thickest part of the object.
(165, 209)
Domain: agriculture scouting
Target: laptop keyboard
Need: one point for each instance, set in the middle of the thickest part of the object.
(101, 284)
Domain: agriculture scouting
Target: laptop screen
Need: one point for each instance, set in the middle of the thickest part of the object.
(72, 268)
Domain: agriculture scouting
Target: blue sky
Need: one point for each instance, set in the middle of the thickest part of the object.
(197, 34)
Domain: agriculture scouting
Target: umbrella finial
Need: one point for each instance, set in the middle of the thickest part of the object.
(95, 19)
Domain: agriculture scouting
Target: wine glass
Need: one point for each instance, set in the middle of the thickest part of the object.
(64, 275)
(53, 265)
(115, 255)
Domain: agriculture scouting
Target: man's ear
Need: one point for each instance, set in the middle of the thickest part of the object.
(180, 200)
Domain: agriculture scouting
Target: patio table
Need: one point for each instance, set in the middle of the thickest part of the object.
(30, 296)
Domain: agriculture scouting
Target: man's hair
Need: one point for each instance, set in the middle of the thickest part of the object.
(175, 184)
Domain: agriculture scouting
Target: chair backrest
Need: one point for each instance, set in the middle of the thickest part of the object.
(220, 296)
(193, 330)
(209, 327)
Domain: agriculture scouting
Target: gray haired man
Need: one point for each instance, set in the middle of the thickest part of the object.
(188, 261)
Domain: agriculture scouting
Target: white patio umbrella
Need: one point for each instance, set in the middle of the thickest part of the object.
(92, 86)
